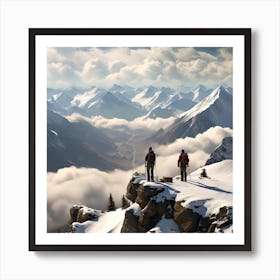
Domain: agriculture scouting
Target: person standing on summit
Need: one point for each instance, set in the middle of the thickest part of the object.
(183, 162)
(150, 160)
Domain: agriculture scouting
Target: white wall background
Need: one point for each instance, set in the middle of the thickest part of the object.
(17, 262)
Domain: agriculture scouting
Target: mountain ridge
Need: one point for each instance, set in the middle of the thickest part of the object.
(213, 110)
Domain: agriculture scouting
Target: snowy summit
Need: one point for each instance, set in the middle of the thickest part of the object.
(202, 204)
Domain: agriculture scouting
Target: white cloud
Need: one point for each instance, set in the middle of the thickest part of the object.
(198, 149)
(94, 69)
(137, 67)
(120, 124)
(87, 186)
(116, 65)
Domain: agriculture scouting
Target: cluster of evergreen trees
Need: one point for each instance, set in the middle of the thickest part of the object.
(111, 203)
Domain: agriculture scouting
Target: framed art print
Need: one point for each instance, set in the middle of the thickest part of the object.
(140, 139)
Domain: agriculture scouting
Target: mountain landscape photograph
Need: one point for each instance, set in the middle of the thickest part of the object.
(107, 107)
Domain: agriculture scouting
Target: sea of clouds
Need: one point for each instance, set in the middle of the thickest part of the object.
(92, 187)
(120, 124)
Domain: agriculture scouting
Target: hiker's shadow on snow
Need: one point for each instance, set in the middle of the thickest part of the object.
(169, 187)
(212, 188)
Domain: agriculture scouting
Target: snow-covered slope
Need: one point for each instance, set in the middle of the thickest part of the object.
(160, 98)
(94, 101)
(200, 92)
(63, 96)
(159, 112)
(204, 197)
(105, 222)
(145, 96)
(127, 91)
(214, 110)
(180, 103)
(152, 97)
(219, 97)
(106, 104)
(111, 106)
(87, 98)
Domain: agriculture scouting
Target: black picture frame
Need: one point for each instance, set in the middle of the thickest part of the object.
(34, 32)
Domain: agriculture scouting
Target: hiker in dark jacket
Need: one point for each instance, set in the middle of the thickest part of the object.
(183, 162)
(150, 160)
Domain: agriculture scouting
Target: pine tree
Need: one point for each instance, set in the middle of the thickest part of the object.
(111, 204)
(125, 202)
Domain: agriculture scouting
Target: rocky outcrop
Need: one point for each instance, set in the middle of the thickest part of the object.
(74, 210)
(190, 221)
(131, 223)
(80, 214)
(186, 219)
(154, 211)
(152, 202)
(145, 193)
(222, 221)
(154, 207)
(222, 152)
(131, 192)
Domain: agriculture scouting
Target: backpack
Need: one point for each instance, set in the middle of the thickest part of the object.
(184, 159)
(151, 157)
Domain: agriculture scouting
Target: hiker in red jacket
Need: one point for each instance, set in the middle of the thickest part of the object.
(183, 162)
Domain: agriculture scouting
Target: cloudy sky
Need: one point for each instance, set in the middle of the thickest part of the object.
(139, 67)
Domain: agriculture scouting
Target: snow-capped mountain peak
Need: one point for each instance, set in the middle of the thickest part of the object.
(145, 96)
(205, 103)
(213, 110)
(81, 100)
(200, 92)
(151, 97)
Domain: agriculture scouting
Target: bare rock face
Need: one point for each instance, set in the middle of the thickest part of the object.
(150, 216)
(186, 219)
(131, 224)
(86, 214)
(204, 224)
(166, 208)
(80, 214)
(131, 190)
(190, 221)
(145, 193)
(151, 209)
(74, 210)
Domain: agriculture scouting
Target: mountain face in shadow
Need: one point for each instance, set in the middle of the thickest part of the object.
(79, 144)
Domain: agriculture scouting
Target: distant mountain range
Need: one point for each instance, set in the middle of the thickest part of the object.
(125, 102)
(82, 144)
